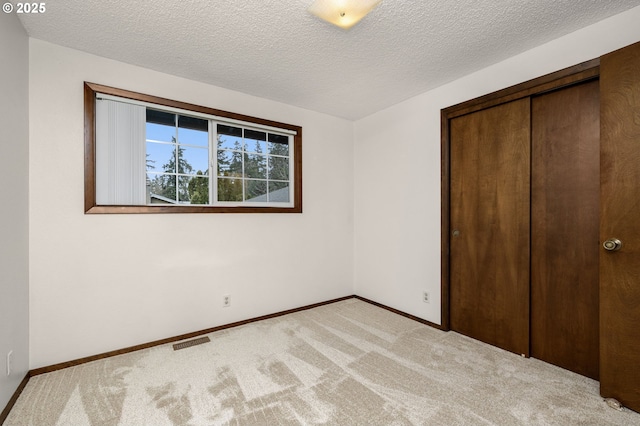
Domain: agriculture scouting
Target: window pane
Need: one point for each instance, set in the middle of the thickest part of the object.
(157, 132)
(256, 190)
(193, 123)
(161, 188)
(160, 157)
(161, 126)
(152, 184)
(255, 141)
(229, 163)
(253, 145)
(183, 189)
(229, 137)
(255, 166)
(278, 168)
(194, 160)
(278, 144)
(229, 189)
(193, 131)
(198, 188)
(161, 117)
(278, 192)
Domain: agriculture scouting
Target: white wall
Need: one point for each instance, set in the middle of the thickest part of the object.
(14, 210)
(397, 168)
(104, 282)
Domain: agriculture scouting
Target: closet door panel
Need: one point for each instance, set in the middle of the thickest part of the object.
(565, 192)
(489, 259)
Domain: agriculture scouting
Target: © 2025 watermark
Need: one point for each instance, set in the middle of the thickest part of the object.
(22, 8)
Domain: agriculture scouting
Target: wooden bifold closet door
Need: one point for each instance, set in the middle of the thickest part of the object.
(489, 260)
(565, 193)
(524, 194)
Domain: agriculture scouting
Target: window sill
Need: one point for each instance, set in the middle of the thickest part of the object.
(164, 209)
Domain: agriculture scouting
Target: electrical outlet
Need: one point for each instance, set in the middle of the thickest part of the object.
(9, 361)
(226, 300)
(425, 297)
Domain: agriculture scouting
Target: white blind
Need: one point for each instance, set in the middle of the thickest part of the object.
(120, 153)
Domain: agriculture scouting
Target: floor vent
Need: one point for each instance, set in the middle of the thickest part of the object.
(190, 343)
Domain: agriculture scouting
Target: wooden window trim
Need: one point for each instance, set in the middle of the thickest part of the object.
(585, 71)
(90, 206)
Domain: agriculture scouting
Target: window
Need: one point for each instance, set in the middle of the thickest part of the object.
(151, 155)
(252, 165)
(177, 159)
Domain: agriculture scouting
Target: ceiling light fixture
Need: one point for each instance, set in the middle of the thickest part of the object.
(343, 13)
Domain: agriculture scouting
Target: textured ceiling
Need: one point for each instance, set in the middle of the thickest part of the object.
(275, 49)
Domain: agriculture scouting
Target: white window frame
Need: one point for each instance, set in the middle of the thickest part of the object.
(213, 167)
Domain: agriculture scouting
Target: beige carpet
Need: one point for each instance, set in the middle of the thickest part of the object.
(348, 363)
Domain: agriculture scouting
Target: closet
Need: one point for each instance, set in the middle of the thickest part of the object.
(535, 179)
(525, 186)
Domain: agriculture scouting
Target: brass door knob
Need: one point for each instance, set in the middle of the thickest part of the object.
(612, 244)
